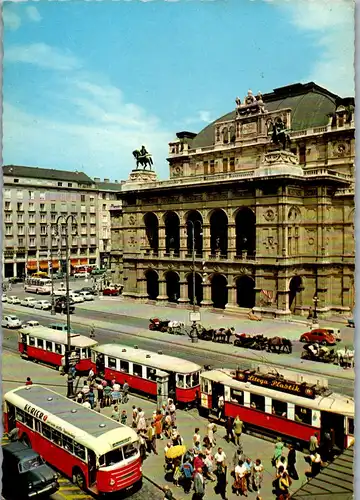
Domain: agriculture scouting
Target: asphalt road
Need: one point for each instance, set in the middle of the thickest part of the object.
(185, 352)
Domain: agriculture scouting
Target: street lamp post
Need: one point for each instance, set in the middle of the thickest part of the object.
(65, 233)
(52, 273)
(192, 224)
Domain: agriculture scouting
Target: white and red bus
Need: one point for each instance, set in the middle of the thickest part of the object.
(148, 372)
(98, 453)
(38, 285)
(49, 346)
(294, 406)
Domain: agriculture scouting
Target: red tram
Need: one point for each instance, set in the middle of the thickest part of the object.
(292, 405)
(48, 346)
(148, 372)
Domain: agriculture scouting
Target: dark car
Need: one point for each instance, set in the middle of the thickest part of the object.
(15, 279)
(60, 305)
(318, 336)
(90, 289)
(25, 474)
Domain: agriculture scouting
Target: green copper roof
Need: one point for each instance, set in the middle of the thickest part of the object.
(310, 106)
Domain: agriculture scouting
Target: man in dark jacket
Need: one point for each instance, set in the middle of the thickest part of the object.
(199, 485)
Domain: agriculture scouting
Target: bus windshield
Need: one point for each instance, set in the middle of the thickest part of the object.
(115, 456)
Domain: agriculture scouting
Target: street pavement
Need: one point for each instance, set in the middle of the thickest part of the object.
(202, 352)
(15, 371)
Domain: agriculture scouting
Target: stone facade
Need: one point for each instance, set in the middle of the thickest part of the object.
(272, 227)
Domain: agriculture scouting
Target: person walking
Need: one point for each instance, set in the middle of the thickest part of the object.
(115, 414)
(158, 425)
(248, 474)
(141, 422)
(258, 476)
(239, 485)
(187, 469)
(238, 428)
(277, 451)
(221, 481)
(151, 436)
(291, 459)
(196, 436)
(281, 462)
(229, 429)
(211, 429)
(314, 442)
(282, 484)
(126, 392)
(91, 397)
(123, 417)
(172, 411)
(100, 394)
(107, 395)
(167, 425)
(199, 485)
(134, 416)
(28, 381)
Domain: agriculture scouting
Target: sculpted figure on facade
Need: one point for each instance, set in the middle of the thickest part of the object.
(251, 104)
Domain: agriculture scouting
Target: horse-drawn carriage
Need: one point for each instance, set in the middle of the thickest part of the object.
(257, 342)
(215, 335)
(314, 352)
(159, 325)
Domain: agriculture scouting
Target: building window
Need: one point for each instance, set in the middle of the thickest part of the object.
(43, 230)
(31, 207)
(92, 199)
(8, 230)
(20, 242)
(73, 207)
(16, 180)
(53, 217)
(31, 229)
(302, 154)
(42, 195)
(52, 206)
(7, 205)
(31, 218)
(20, 206)
(92, 220)
(32, 242)
(59, 184)
(69, 184)
(82, 197)
(43, 242)
(63, 207)
(42, 218)
(225, 165)
(8, 217)
(21, 230)
(7, 193)
(232, 164)
(83, 219)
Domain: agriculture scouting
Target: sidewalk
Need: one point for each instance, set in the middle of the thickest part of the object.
(238, 353)
(15, 371)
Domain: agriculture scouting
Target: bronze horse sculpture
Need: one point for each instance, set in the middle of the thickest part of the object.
(279, 135)
(142, 159)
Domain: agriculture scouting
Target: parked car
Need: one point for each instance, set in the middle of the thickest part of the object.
(13, 299)
(351, 322)
(87, 295)
(28, 302)
(61, 327)
(25, 473)
(111, 291)
(98, 272)
(59, 276)
(30, 324)
(4, 297)
(90, 289)
(77, 298)
(42, 304)
(15, 279)
(81, 275)
(11, 322)
(60, 305)
(61, 292)
(319, 336)
(335, 332)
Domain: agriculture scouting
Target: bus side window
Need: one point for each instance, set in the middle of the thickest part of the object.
(46, 430)
(31, 341)
(79, 451)
(68, 444)
(29, 421)
(49, 346)
(303, 415)
(38, 426)
(124, 366)
(257, 402)
(58, 348)
(40, 343)
(20, 415)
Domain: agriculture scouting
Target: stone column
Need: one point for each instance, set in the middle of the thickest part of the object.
(15, 269)
(162, 242)
(206, 241)
(231, 241)
(143, 244)
(206, 302)
(162, 291)
(232, 299)
(184, 299)
(183, 242)
(142, 288)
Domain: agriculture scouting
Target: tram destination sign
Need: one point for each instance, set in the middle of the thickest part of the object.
(277, 384)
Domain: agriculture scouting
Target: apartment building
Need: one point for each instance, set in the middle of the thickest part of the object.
(33, 200)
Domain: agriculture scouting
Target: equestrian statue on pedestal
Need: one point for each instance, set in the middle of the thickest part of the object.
(143, 158)
(279, 134)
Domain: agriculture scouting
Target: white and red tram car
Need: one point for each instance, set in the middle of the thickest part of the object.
(274, 405)
(98, 453)
(48, 346)
(142, 370)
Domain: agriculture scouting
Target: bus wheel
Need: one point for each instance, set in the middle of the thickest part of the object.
(78, 478)
(25, 440)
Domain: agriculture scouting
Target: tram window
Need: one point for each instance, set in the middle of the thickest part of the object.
(279, 408)
(137, 370)
(48, 346)
(111, 362)
(20, 415)
(150, 373)
(351, 426)
(180, 380)
(195, 379)
(302, 415)
(86, 352)
(257, 402)
(40, 343)
(31, 341)
(29, 420)
(68, 444)
(79, 451)
(237, 396)
(205, 386)
(188, 381)
(124, 366)
(46, 431)
(57, 438)
(58, 348)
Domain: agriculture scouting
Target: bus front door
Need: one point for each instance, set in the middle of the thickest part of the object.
(91, 466)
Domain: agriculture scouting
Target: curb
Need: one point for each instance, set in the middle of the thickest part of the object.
(239, 356)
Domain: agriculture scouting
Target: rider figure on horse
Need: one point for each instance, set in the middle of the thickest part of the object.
(143, 151)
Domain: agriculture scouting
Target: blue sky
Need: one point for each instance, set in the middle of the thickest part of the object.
(85, 83)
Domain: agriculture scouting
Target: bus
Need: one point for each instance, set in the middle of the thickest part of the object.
(38, 285)
(148, 372)
(49, 346)
(289, 403)
(95, 451)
